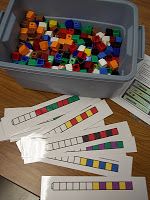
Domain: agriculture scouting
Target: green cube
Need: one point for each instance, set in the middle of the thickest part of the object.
(22, 62)
(120, 144)
(107, 145)
(63, 69)
(46, 20)
(75, 38)
(87, 29)
(54, 106)
(83, 70)
(110, 71)
(49, 108)
(94, 59)
(81, 42)
(64, 61)
(116, 33)
(96, 147)
(61, 25)
(72, 61)
(51, 59)
(32, 62)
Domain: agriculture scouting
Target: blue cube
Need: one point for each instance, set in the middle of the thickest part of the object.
(29, 45)
(75, 53)
(25, 59)
(103, 70)
(58, 57)
(40, 62)
(116, 52)
(119, 39)
(109, 50)
(69, 23)
(102, 55)
(77, 25)
(88, 58)
(46, 37)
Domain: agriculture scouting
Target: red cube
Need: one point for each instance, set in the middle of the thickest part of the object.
(44, 56)
(70, 31)
(76, 67)
(48, 65)
(16, 56)
(84, 35)
(101, 47)
(72, 48)
(96, 39)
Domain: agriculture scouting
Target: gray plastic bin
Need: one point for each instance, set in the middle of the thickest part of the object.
(101, 13)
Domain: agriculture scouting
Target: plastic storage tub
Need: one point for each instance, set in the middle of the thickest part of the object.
(101, 13)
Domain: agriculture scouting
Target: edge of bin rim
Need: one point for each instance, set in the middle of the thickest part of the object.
(120, 1)
(65, 74)
(11, 3)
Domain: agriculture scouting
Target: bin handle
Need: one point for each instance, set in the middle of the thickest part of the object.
(4, 20)
(1, 16)
(141, 42)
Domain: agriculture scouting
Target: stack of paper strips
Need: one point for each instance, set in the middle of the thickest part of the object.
(69, 131)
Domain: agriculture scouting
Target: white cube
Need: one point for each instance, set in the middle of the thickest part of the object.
(81, 48)
(69, 67)
(102, 62)
(96, 71)
(106, 40)
(54, 67)
(50, 33)
(43, 24)
(100, 34)
(54, 39)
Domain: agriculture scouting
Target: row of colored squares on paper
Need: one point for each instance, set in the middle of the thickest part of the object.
(109, 185)
(106, 145)
(44, 110)
(63, 127)
(90, 163)
(83, 139)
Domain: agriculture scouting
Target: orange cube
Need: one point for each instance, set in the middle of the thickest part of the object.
(23, 50)
(40, 30)
(89, 36)
(69, 42)
(113, 64)
(61, 41)
(30, 15)
(68, 36)
(24, 31)
(55, 45)
(44, 45)
(32, 25)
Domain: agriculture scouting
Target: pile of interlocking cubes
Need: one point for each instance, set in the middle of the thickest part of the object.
(69, 46)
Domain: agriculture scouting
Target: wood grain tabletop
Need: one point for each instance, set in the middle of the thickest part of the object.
(13, 95)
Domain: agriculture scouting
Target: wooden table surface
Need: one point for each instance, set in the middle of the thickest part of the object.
(13, 95)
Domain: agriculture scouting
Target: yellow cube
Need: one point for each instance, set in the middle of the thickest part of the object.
(52, 23)
(83, 161)
(79, 118)
(109, 186)
(88, 52)
(89, 113)
(108, 166)
(96, 164)
(68, 124)
(122, 185)
(95, 186)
